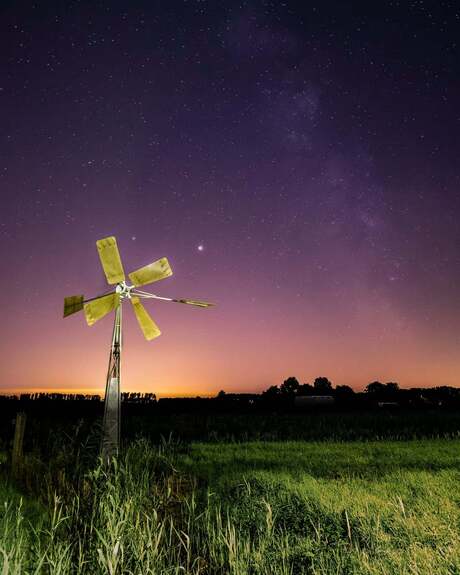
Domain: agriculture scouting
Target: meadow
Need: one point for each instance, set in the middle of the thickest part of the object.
(256, 507)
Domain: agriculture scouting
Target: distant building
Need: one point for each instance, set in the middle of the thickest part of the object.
(386, 404)
(312, 400)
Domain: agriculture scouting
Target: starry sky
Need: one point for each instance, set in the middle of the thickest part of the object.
(297, 162)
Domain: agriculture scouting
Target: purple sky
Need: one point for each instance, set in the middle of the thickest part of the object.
(312, 149)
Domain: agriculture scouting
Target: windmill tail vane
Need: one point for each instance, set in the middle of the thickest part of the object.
(98, 307)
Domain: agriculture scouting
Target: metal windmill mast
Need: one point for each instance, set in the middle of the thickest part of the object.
(98, 307)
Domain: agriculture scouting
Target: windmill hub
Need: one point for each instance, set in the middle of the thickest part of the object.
(124, 290)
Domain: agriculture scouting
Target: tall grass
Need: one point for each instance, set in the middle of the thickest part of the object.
(246, 509)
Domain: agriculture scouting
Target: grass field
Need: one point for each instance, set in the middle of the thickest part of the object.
(247, 508)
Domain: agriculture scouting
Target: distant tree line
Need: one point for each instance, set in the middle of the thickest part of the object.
(323, 386)
(376, 391)
(126, 397)
(291, 387)
(275, 397)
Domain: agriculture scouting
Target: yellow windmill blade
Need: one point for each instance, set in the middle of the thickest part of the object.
(72, 304)
(146, 323)
(154, 272)
(195, 302)
(97, 308)
(110, 260)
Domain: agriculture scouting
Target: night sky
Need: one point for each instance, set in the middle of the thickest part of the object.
(297, 162)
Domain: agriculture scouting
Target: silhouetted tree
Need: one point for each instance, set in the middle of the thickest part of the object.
(375, 388)
(271, 393)
(306, 389)
(322, 386)
(289, 386)
(383, 390)
(221, 394)
(392, 387)
(344, 392)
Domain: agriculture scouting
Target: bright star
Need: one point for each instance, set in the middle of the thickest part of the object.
(200, 248)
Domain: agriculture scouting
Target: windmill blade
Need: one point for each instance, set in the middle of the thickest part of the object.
(99, 307)
(153, 272)
(146, 323)
(110, 260)
(72, 304)
(194, 302)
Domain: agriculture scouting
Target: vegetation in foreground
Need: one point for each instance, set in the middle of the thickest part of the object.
(248, 508)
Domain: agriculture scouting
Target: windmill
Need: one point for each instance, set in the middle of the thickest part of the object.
(98, 307)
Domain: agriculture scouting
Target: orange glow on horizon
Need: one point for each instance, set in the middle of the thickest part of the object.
(237, 347)
(91, 391)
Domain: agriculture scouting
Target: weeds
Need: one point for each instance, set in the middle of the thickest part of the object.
(247, 509)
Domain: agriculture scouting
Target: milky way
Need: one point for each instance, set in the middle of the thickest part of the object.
(298, 164)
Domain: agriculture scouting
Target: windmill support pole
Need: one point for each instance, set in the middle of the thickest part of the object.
(110, 441)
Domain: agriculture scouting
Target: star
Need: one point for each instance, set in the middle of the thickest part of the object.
(200, 247)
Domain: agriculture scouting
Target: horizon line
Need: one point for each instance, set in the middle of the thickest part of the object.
(94, 392)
